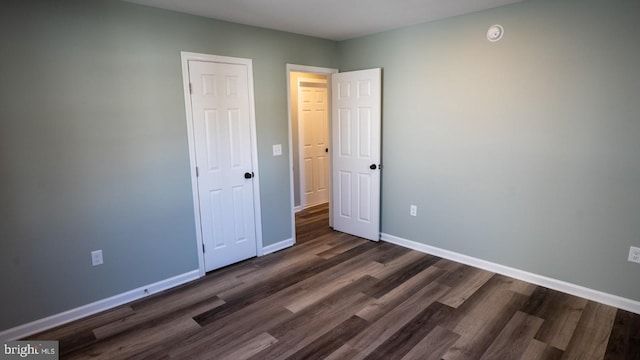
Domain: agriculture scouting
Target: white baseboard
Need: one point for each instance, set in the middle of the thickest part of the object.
(278, 246)
(569, 288)
(299, 208)
(52, 321)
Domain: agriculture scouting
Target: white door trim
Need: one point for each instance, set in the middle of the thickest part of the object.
(189, 56)
(312, 70)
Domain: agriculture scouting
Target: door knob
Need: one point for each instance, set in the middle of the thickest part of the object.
(248, 175)
(373, 167)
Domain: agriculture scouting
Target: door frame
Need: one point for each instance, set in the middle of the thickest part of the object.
(185, 58)
(311, 70)
(301, 174)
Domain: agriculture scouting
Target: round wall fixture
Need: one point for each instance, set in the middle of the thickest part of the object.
(495, 33)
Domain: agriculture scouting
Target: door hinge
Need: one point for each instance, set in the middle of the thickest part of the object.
(190, 89)
(197, 172)
(203, 251)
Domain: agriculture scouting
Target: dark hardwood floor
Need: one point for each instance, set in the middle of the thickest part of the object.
(335, 296)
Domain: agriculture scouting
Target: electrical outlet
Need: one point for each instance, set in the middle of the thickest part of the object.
(634, 254)
(413, 210)
(277, 150)
(96, 257)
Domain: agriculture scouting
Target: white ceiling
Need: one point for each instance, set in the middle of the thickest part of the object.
(328, 19)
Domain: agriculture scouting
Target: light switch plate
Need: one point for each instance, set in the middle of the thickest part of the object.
(277, 149)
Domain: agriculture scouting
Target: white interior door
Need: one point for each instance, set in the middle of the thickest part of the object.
(222, 110)
(356, 127)
(313, 135)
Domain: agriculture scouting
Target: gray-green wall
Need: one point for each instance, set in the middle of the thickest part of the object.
(93, 145)
(523, 152)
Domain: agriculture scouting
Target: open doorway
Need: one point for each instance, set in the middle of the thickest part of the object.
(355, 162)
(309, 94)
(310, 135)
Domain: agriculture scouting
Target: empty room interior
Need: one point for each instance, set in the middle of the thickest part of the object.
(497, 215)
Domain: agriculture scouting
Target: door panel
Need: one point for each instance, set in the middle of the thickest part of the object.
(364, 197)
(222, 134)
(356, 127)
(344, 195)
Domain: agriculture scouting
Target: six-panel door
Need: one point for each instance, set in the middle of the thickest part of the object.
(222, 134)
(356, 102)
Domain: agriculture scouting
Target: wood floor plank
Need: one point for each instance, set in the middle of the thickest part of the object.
(254, 316)
(400, 343)
(334, 279)
(158, 353)
(561, 313)
(624, 342)
(514, 338)
(146, 339)
(312, 227)
(392, 265)
(483, 316)
(324, 283)
(231, 332)
(149, 331)
(537, 350)
(311, 246)
(280, 264)
(449, 265)
(389, 253)
(433, 346)
(258, 310)
(591, 336)
(325, 307)
(337, 250)
(344, 352)
(332, 340)
(270, 273)
(396, 278)
(249, 349)
(463, 283)
(305, 327)
(81, 333)
(272, 286)
(311, 232)
(392, 299)
(175, 305)
(522, 287)
(387, 325)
